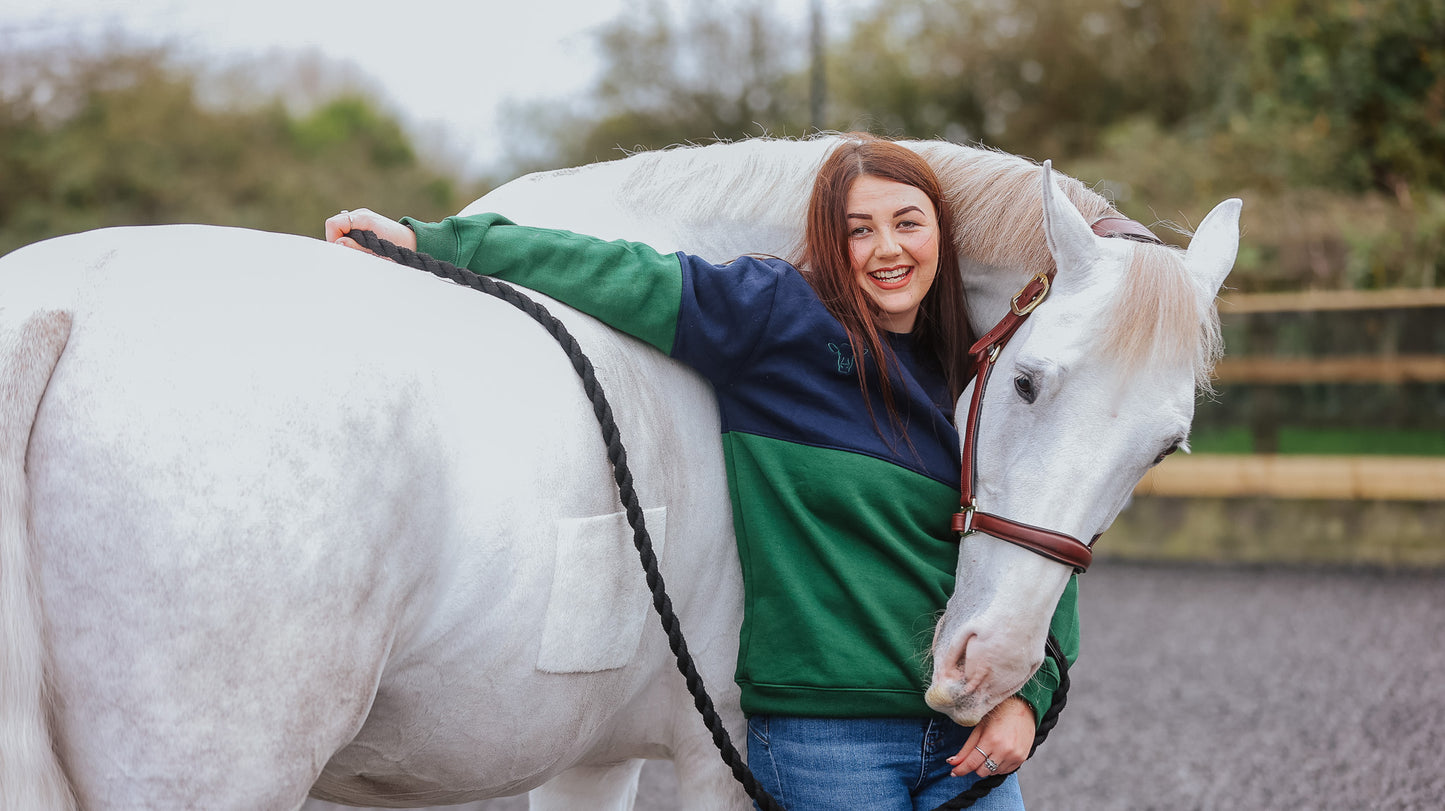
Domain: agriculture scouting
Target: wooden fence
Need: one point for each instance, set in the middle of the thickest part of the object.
(1314, 477)
(1386, 478)
(1346, 369)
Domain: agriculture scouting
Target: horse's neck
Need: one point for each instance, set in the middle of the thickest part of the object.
(730, 199)
(989, 290)
(997, 204)
(717, 202)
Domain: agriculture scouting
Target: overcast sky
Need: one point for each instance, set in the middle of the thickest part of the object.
(446, 64)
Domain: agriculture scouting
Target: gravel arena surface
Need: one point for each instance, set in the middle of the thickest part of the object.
(1204, 687)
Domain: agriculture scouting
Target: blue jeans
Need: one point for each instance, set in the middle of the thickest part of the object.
(865, 764)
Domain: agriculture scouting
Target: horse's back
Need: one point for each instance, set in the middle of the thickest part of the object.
(288, 498)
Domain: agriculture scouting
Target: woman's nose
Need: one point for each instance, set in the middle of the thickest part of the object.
(887, 244)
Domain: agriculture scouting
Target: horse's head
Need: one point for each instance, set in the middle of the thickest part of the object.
(1097, 386)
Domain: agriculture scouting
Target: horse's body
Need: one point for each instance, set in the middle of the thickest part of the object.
(277, 514)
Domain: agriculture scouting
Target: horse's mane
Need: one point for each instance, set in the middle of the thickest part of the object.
(1158, 316)
(757, 180)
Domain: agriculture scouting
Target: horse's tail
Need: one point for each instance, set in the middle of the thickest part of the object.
(31, 776)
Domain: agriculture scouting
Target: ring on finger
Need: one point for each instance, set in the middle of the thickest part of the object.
(990, 765)
(349, 224)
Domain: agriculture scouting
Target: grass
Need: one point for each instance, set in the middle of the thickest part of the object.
(1327, 441)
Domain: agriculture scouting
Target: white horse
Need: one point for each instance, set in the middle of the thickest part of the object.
(279, 518)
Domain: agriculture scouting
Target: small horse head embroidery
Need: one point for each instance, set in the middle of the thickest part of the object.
(845, 360)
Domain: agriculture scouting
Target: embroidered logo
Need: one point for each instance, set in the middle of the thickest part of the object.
(846, 361)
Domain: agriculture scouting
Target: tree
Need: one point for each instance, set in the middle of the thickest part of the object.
(1038, 77)
(1362, 82)
(122, 137)
(723, 71)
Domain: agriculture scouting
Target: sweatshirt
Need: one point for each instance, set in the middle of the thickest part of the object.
(841, 515)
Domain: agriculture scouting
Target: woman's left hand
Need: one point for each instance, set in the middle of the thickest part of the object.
(337, 227)
(1004, 736)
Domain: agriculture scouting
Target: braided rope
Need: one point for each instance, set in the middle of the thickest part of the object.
(622, 474)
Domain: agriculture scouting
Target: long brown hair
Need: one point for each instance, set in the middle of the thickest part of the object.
(941, 330)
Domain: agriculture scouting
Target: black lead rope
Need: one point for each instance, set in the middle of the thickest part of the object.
(617, 455)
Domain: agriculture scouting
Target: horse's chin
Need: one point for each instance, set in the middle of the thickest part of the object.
(953, 700)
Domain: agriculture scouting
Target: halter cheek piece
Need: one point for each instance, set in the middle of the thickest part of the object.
(969, 519)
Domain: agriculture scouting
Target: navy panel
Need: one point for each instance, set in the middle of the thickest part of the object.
(782, 368)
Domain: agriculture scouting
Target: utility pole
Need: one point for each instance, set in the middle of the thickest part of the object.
(818, 85)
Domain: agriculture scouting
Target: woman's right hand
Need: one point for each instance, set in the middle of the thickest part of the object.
(364, 219)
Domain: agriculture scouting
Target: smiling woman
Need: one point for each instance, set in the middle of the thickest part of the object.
(840, 514)
(878, 229)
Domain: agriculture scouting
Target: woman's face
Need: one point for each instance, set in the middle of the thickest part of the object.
(893, 247)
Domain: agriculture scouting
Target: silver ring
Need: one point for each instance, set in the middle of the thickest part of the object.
(989, 764)
(349, 223)
(981, 752)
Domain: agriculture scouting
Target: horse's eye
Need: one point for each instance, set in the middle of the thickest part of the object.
(1166, 452)
(1025, 387)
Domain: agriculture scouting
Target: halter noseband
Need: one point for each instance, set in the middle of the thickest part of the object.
(969, 519)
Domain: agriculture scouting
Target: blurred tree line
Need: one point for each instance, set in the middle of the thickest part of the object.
(1326, 116)
(120, 134)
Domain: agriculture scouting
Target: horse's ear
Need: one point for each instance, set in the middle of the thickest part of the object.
(1071, 241)
(1214, 246)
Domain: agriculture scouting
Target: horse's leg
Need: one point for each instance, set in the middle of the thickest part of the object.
(604, 788)
(704, 782)
(215, 719)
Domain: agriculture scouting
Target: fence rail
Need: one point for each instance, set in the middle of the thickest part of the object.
(1395, 299)
(1390, 478)
(1345, 369)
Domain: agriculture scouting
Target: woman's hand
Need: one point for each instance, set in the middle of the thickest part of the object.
(1004, 736)
(364, 219)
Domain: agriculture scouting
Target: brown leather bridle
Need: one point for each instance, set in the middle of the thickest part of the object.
(985, 351)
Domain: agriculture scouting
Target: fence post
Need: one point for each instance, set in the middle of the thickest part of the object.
(1264, 400)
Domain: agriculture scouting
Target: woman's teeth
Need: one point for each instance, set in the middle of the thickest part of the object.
(890, 274)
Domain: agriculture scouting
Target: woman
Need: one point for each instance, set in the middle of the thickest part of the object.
(836, 381)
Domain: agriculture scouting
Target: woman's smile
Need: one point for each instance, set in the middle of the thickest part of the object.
(892, 278)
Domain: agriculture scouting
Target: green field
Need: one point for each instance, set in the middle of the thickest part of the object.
(1322, 441)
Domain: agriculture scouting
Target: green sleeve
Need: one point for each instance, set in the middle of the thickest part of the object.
(1039, 690)
(626, 285)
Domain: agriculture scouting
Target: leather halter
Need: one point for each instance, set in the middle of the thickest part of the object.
(969, 519)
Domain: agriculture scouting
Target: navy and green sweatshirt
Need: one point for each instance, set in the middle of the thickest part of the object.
(843, 535)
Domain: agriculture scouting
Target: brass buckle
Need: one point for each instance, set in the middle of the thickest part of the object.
(1041, 278)
(967, 513)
